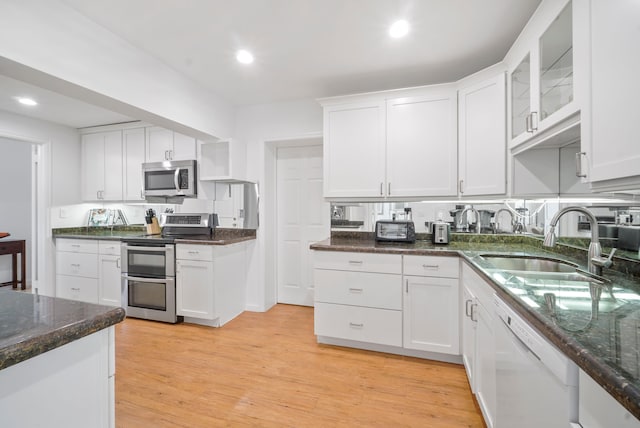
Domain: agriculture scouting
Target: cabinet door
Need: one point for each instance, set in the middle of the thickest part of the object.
(184, 147)
(613, 150)
(159, 144)
(485, 375)
(421, 145)
(194, 289)
(93, 171)
(431, 314)
(133, 147)
(112, 190)
(109, 281)
(469, 334)
(354, 150)
(482, 138)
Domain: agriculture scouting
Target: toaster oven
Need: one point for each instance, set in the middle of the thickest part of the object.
(395, 231)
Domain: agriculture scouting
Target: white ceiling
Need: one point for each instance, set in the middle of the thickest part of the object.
(303, 48)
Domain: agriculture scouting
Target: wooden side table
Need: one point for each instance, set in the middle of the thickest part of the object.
(15, 247)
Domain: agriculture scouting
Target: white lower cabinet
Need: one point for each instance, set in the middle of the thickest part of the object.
(358, 297)
(478, 344)
(598, 409)
(430, 312)
(210, 282)
(89, 270)
(77, 269)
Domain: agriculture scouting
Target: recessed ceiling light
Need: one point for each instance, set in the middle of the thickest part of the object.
(244, 56)
(399, 29)
(26, 101)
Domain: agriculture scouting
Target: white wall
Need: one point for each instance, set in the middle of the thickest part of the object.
(15, 212)
(50, 44)
(260, 127)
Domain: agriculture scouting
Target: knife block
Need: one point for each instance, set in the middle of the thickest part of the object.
(153, 228)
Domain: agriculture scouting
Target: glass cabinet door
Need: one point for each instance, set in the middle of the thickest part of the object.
(520, 97)
(556, 64)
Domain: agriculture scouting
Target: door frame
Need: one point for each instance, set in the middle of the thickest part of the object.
(270, 207)
(42, 280)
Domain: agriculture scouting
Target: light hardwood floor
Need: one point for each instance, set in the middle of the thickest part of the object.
(266, 369)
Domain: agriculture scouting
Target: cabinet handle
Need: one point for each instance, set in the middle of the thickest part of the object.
(461, 186)
(166, 155)
(356, 325)
(141, 193)
(466, 308)
(193, 252)
(406, 285)
(75, 289)
(579, 172)
(171, 154)
(534, 123)
(118, 262)
(381, 188)
(75, 245)
(473, 311)
(527, 121)
(431, 266)
(75, 264)
(389, 189)
(355, 262)
(355, 290)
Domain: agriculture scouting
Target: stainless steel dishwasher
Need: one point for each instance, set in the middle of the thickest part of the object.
(536, 384)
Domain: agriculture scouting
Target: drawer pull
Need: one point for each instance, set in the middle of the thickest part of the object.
(355, 262)
(75, 264)
(193, 252)
(356, 325)
(75, 289)
(431, 266)
(355, 290)
(75, 245)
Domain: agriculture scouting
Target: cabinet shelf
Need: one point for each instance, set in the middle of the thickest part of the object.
(222, 161)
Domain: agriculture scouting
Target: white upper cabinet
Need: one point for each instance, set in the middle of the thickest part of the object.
(102, 166)
(379, 146)
(609, 135)
(543, 100)
(482, 137)
(354, 150)
(223, 160)
(421, 144)
(165, 145)
(133, 145)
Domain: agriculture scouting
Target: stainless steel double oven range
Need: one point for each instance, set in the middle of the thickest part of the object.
(149, 266)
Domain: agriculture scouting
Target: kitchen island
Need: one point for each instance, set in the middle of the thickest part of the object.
(604, 346)
(57, 361)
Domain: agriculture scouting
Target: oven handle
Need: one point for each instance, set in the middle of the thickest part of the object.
(137, 278)
(162, 249)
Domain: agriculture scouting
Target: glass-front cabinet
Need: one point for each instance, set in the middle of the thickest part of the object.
(542, 88)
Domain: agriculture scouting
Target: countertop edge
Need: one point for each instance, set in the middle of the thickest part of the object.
(617, 386)
(35, 346)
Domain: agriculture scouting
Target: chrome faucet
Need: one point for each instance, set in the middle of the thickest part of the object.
(476, 213)
(595, 260)
(496, 229)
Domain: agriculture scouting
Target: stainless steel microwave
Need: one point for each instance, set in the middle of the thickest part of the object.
(169, 178)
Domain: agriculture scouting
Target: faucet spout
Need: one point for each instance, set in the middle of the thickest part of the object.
(476, 213)
(496, 218)
(595, 249)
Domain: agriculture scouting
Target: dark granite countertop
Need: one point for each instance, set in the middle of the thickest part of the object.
(31, 325)
(606, 346)
(222, 236)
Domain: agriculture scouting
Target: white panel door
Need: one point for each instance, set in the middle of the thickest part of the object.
(482, 138)
(109, 281)
(159, 144)
(431, 314)
(112, 166)
(92, 166)
(184, 147)
(469, 321)
(133, 148)
(422, 150)
(194, 289)
(354, 150)
(303, 218)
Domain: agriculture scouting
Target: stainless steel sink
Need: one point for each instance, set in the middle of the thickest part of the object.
(529, 264)
(576, 276)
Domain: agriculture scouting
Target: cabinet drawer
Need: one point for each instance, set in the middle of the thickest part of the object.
(77, 245)
(77, 264)
(439, 266)
(110, 248)
(77, 288)
(360, 262)
(380, 326)
(376, 290)
(194, 252)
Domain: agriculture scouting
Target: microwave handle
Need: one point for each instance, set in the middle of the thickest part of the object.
(176, 179)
